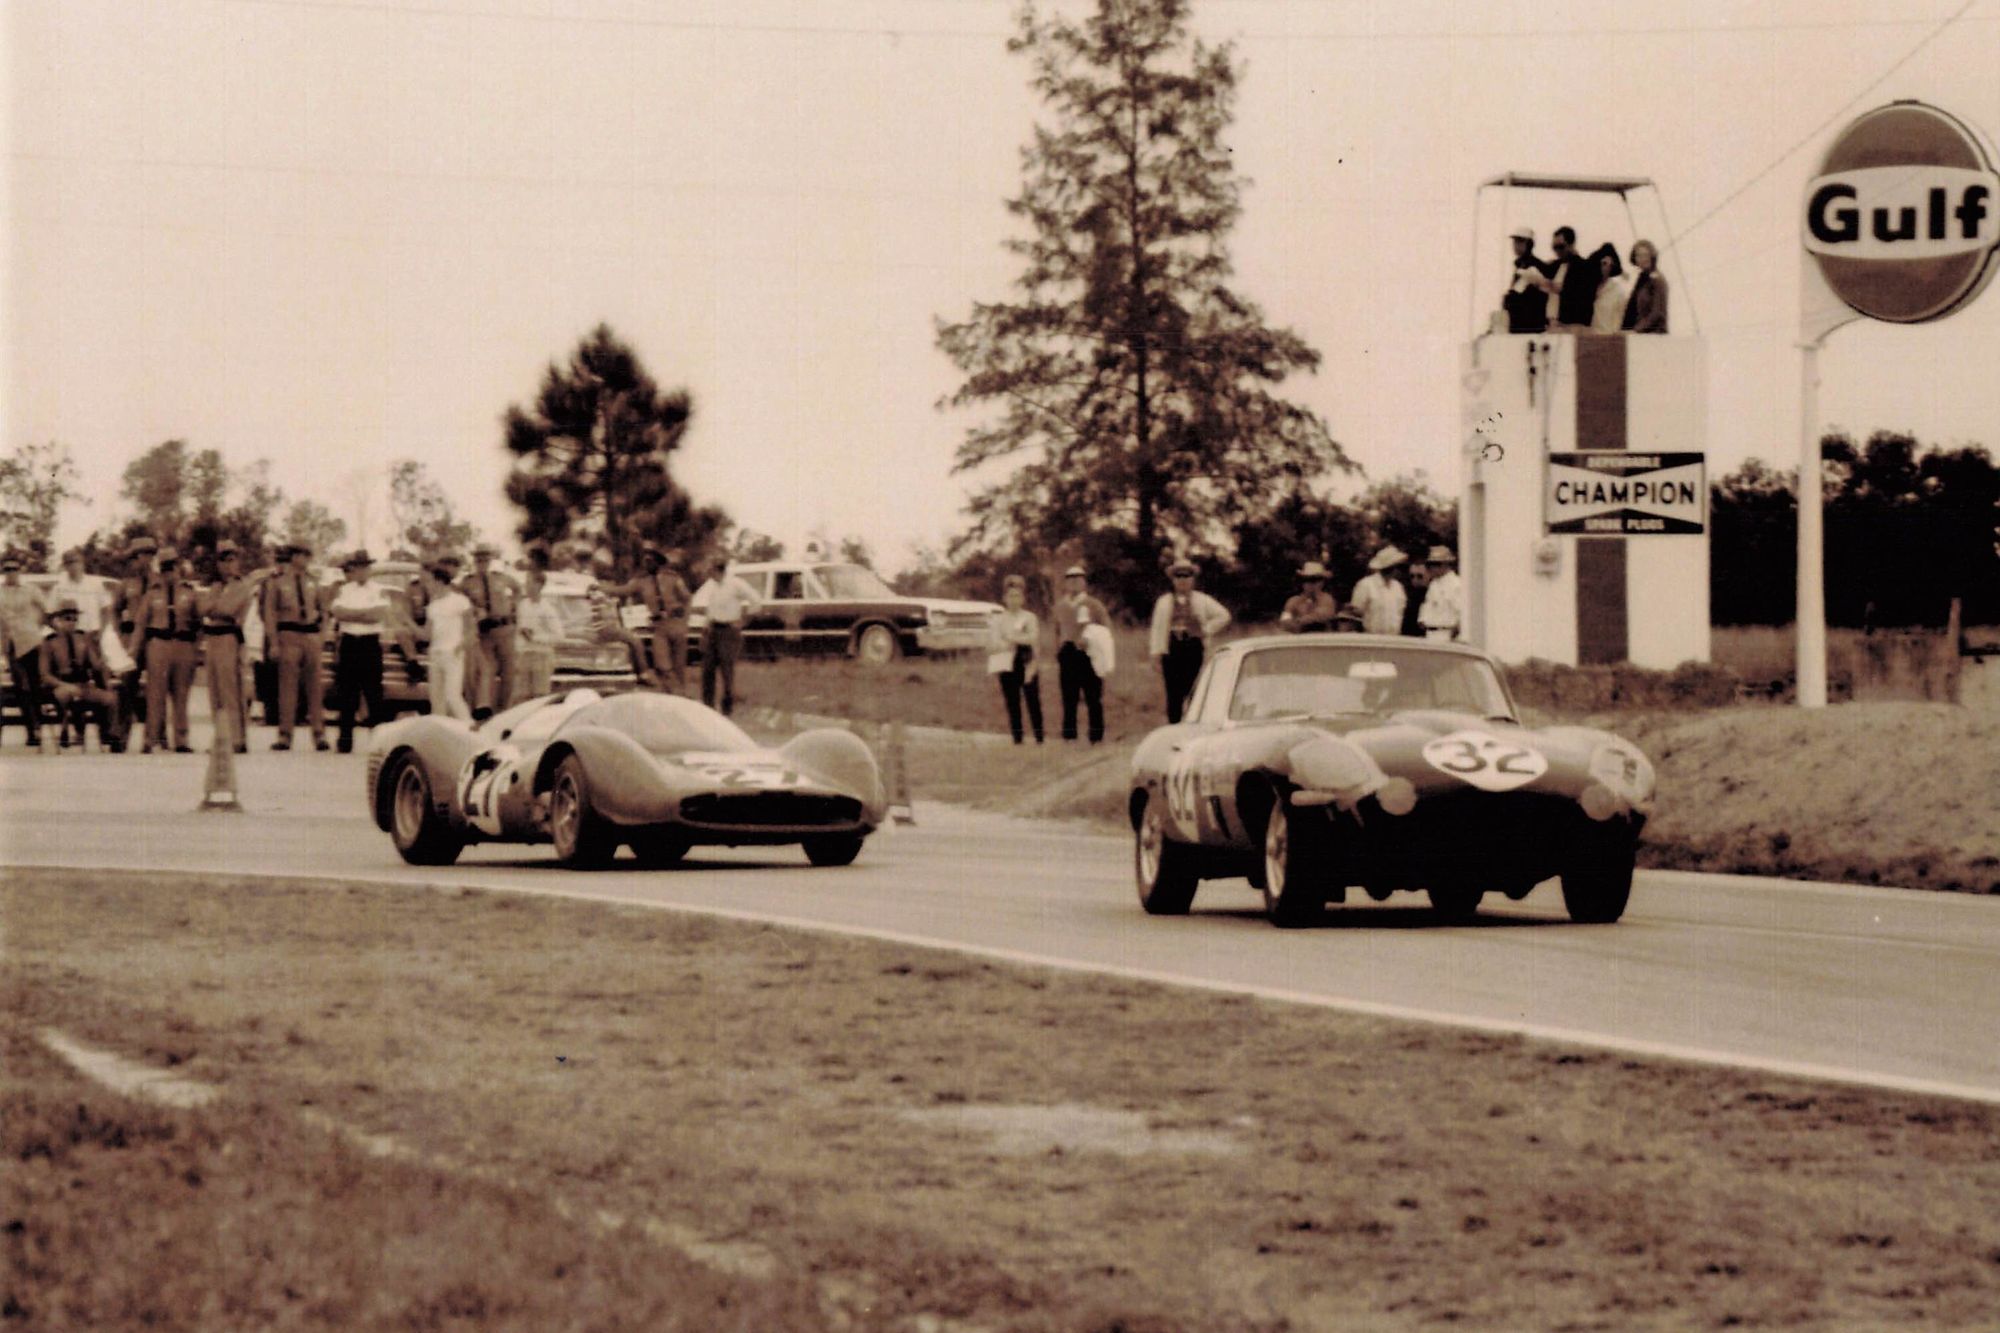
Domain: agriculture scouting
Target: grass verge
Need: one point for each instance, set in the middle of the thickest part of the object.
(1274, 1167)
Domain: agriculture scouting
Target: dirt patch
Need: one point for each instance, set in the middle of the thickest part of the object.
(1016, 1131)
(755, 1085)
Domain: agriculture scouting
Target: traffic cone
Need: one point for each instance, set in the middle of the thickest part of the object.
(218, 790)
(896, 778)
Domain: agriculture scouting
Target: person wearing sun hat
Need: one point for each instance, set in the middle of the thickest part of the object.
(1314, 607)
(224, 608)
(492, 671)
(73, 672)
(1379, 597)
(295, 615)
(1075, 611)
(23, 621)
(1442, 615)
(360, 608)
(1527, 300)
(1184, 620)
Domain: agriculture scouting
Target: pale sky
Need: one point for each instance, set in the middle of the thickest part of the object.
(338, 234)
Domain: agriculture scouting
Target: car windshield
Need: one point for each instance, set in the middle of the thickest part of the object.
(1322, 680)
(537, 717)
(853, 582)
(665, 723)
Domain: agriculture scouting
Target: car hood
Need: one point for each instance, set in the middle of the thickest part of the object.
(1439, 750)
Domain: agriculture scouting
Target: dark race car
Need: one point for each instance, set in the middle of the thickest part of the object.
(590, 773)
(1311, 763)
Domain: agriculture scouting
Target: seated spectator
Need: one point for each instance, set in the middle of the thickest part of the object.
(1612, 290)
(1573, 279)
(1646, 309)
(1527, 300)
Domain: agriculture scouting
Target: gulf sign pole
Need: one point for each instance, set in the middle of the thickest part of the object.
(1902, 225)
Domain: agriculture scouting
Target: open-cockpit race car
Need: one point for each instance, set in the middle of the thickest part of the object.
(1314, 763)
(591, 773)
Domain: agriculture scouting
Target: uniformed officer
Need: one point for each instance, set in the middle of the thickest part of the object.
(125, 601)
(166, 632)
(1314, 608)
(223, 610)
(23, 620)
(73, 673)
(360, 607)
(665, 595)
(492, 593)
(295, 608)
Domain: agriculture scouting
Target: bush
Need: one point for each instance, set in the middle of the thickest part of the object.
(1560, 689)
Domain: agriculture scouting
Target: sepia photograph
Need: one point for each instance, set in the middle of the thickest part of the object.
(999, 666)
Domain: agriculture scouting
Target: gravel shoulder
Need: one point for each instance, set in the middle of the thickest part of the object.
(914, 1138)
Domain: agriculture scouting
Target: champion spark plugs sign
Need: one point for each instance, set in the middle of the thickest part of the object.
(1613, 493)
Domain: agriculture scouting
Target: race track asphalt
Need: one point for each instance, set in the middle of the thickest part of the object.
(1897, 988)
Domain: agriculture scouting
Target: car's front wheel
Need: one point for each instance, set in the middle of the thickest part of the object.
(1596, 891)
(1162, 868)
(876, 645)
(582, 839)
(422, 836)
(1294, 886)
(833, 849)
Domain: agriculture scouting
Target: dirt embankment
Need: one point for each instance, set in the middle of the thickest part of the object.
(1873, 793)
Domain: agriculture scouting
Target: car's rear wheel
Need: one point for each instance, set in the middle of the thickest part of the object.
(1596, 891)
(876, 645)
(659, 848)
(582, 839)
(1455, 904)
(833, 849)
(1162, 868)
(1294, 887)
(422, 836)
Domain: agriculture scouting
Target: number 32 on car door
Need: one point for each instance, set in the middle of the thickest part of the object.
(1483, 760)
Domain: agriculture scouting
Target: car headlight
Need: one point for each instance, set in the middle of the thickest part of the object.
(1625, 771)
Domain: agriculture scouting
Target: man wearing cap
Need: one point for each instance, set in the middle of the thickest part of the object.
(1076, 610)
(492, 669)
(224, 608)
(1184, 620)
(167, 619)
(359, 609)
(23, 621)
(125, 599)
(664, 594)
(72, 671)
(1527, 298)
(730, 602)
(1379, 597)
(295, 607)
(1443, 612)
(1314, 608)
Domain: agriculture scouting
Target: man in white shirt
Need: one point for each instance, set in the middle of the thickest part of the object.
(731, 601)
(1379, 597)
(359, 609)
(86, 590)
(1443, 613)
(449, 626)
(539, 629)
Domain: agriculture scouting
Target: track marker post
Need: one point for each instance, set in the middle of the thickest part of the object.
(218, 788)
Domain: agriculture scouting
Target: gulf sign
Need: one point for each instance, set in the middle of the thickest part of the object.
(1904, 215)
(1615, 493)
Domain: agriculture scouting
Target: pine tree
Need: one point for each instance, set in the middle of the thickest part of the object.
(1136, 382)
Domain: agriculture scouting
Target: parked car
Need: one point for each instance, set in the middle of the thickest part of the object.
(589, 774)
(827, 608)
(1311, 763)
(580, 659)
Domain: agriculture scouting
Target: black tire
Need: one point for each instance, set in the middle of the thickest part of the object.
(1294, 881)
(1455, 904)
(1162, 868)
(834, 849)
(1596, 892)
(660, 848)
(422, 836)
(582, 839)
(877, 645)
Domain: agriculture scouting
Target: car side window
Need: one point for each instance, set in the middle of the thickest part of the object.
(786, 586)
(815, 591)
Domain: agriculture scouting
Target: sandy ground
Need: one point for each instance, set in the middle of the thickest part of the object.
(1009, 1147)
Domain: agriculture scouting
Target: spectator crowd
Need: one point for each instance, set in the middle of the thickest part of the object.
(1591, 292)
